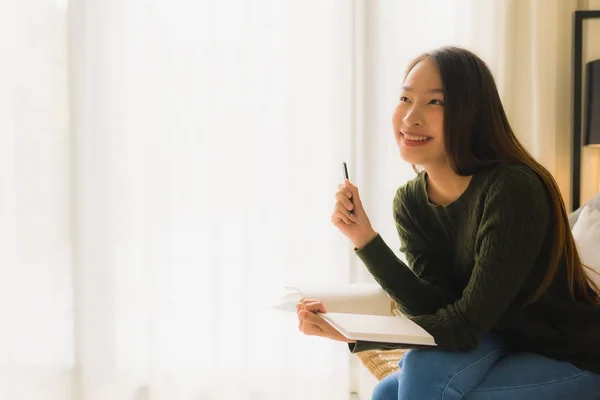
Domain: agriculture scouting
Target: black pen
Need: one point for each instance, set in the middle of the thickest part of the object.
(345, 168)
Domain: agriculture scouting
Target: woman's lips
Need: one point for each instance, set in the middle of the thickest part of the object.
(414, 140)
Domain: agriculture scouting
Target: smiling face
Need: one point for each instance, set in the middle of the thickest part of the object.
(418, 120)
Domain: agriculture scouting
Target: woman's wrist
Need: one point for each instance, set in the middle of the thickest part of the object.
(365, 240)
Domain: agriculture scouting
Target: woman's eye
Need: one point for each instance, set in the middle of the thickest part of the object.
(437, 102)
(403, 98)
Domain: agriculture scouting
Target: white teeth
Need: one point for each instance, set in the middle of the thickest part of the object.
(416, 138)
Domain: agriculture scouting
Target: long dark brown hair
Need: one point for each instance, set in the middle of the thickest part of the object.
(477, 135)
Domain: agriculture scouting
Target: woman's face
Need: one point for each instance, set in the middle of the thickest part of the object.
(418, 120)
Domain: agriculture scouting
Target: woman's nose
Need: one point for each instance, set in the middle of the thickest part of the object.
(413, 117)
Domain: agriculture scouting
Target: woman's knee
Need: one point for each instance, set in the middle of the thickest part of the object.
(387, 388)
(415, 360)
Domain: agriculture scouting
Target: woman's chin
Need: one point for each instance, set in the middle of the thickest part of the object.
(412, 158)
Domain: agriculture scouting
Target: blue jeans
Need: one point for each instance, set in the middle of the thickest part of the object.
(489, 372)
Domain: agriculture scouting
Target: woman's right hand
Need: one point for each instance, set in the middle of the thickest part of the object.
(354, 225)
(310, 323)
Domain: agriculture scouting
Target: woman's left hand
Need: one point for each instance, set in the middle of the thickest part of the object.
(310, 323)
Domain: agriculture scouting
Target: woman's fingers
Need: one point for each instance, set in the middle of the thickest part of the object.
(344, 200)
(345, 209)
(315, 306)
(342, 209)
(344, 190)
(310, 305)
(310, 317)
(342, 204)
(312, 323)
(342, 214)
(338, 217)
(306, 307)
(354, 193)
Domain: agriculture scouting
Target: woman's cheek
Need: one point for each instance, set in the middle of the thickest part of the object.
(436, 121)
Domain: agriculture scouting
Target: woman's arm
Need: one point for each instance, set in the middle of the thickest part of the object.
(421, 287)
(510, 237)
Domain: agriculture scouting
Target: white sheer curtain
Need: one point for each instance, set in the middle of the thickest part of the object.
(141, 246)
(208, 144)
(36, 335)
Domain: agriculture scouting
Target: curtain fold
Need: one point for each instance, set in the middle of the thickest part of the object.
(209, 140)
(36, 333)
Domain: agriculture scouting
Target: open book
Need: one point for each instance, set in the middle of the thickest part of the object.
(360, 312)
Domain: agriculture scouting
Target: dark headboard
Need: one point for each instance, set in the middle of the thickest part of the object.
(576, 133)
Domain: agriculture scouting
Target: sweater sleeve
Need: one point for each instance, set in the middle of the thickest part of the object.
(418, 289)
(515, 219)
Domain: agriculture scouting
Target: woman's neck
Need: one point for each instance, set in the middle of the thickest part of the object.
(444, 185)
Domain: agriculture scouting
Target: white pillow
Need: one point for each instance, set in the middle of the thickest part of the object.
(586, 233)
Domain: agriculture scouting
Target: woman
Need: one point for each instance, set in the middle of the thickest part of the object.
(493, 272)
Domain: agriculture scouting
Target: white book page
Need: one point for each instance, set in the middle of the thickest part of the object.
(367, 298)
(378, 328)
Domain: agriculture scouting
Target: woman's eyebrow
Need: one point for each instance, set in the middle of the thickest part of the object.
(436, 90)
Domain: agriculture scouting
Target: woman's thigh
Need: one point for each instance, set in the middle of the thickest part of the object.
(447, 375)
(440, 374)
(532, 376)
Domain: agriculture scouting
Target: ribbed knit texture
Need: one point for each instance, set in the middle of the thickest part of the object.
(474, 263)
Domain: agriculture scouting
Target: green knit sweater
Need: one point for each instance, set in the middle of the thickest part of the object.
(473, 264)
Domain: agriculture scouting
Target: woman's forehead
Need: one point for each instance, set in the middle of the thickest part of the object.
(424, 76)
